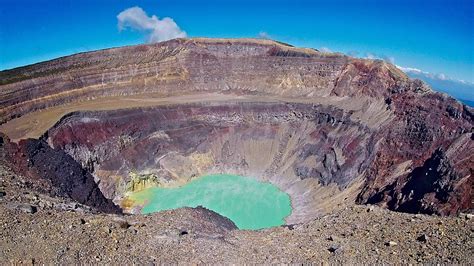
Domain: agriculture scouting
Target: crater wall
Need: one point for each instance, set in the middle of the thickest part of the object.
(309, 151)
(326, 128)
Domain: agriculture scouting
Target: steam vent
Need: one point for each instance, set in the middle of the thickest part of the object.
(196, 139)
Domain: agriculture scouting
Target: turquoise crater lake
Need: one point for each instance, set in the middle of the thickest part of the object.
(249, 203)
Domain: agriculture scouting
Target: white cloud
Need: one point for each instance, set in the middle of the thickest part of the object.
(157, 30)
(353, 53)
(370, 56)
(325, 50)
(264, 35)
(386, 58)
(439, 76)
(411, 69)
(460, 89)
(390, 59)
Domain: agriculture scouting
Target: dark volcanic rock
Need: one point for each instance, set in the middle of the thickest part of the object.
(434, 187)
(62, 170)
(206, 215)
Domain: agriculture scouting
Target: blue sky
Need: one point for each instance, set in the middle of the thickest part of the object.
(435, 37)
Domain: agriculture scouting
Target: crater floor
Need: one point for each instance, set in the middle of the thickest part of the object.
(356, 234)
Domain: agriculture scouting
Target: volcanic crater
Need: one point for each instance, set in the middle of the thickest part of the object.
(327, 129)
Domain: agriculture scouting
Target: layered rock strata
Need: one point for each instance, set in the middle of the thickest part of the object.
(326, 128)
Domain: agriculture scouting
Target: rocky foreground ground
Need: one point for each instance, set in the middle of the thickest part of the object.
(36, 228)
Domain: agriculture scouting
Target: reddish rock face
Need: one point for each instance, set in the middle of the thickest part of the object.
(435, 133)
(318, 120)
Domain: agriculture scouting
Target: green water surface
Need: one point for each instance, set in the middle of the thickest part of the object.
(250, 204)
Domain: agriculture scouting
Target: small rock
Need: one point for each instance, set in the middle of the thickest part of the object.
(289, 226)
(133, 230)
(335, 249)
(27, 208)
(423, 238)
(2, 194)
(124, 225)
(106, 229)
(391, 243)
(469, 216)
(332, 238)
(371, 209)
